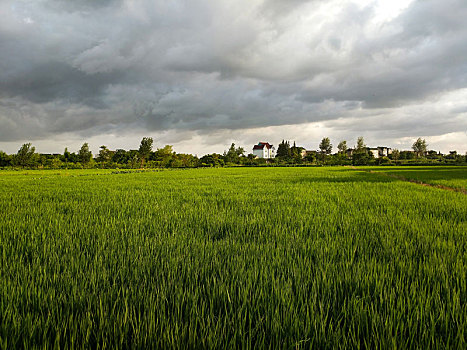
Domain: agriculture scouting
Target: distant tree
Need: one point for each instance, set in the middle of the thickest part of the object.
(163, 156)
(457, 157)
(406, 155)
(145, 149)
(419, 147)
(212, 160)
(55, 163)
(25, 156)
(120, 156)
(361, 156)
(133, 159)
(296, 153)
(360, 147)
(283, 150)
(162, 153)
(325, 146)
(311, 156)
(395, 154)
(233, 154)
(5, 159)
(84, 154)
(66, 156)
(104, 154)
(342, 147)
(187, 160)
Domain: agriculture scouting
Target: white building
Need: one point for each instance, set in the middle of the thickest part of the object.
(373, 151)
(384, 151)
(264, 150)
(380, 151)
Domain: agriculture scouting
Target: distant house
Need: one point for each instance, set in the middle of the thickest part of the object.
(379, 151)
(384, 151)
(373, 151)
(264, 150)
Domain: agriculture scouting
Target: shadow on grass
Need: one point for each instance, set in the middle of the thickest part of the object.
(426, 174)
(346, 177)
(416, 172)
(433, 169)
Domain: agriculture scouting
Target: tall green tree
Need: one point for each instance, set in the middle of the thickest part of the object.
(120, 156)
(296, 153)
(342, 147)
(145, 149)
(163, 156)
(84, 154)
(104, 154)
(360, 147)
(5, 159)
(25, 156)
(66, 156)
(188, 160)
(360, 155)
(325, 146)
(311, 156)
(233, 154)
(283, 150)
(133, 158)
(419, 147)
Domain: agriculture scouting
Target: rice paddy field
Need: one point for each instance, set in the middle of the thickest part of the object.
(233, 258)
(450, 176)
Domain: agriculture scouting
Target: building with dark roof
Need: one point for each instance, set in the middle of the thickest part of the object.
(264, 150)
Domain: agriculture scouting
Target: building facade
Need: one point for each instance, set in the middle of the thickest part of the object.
(264, 150)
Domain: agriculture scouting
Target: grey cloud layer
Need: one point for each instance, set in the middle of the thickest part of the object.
(93, 67)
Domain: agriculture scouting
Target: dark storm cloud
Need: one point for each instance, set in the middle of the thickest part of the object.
(92, 67)
(56, 81)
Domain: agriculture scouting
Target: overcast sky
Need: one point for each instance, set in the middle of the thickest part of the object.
(200, 74)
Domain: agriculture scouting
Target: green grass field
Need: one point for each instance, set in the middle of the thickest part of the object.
(239, 257)
(449, 176)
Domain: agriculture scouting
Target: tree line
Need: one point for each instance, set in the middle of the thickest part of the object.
(146, 157)
(360, 154)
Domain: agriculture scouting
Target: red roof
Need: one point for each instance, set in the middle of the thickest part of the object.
(261, 145)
